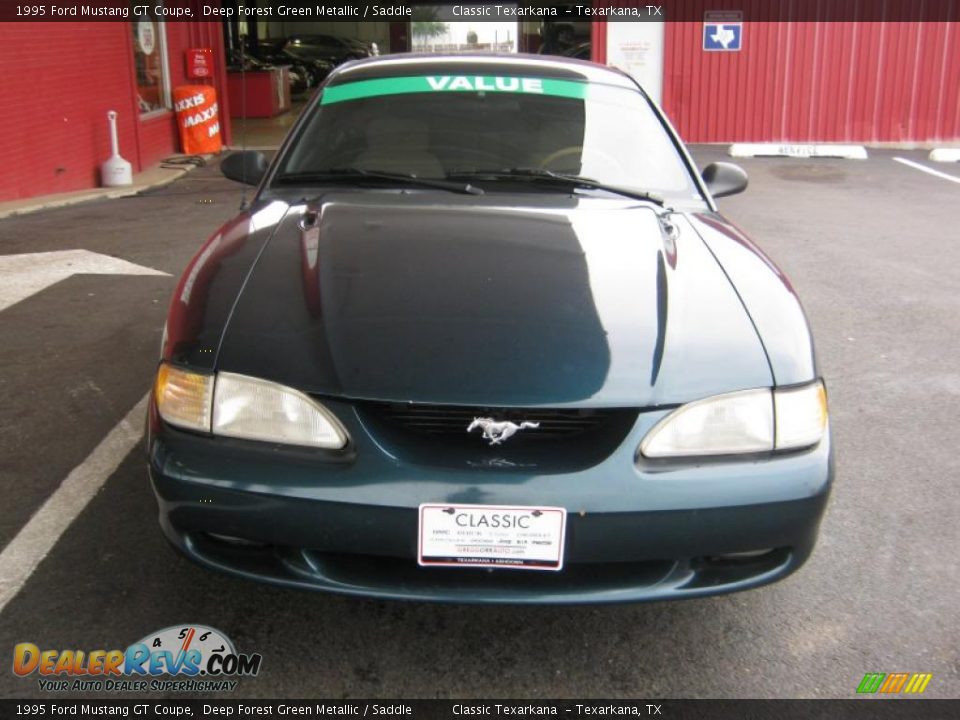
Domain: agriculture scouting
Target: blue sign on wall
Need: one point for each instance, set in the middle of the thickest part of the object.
(724, 37)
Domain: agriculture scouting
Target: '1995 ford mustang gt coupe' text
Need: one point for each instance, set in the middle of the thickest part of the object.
(482, 336)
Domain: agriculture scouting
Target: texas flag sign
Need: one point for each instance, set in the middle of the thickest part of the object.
(722, 36)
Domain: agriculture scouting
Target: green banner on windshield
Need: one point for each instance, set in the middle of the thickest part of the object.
(453, 83)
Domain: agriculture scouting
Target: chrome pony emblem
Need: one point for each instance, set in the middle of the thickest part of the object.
(498, 431)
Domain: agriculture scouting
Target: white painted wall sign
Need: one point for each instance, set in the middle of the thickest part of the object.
(637, 49)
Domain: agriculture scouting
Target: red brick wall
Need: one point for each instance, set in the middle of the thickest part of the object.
(57, 82)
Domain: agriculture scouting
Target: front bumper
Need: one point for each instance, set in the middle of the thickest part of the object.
(349, 524)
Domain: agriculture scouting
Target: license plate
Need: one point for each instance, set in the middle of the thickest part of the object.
(499, 536)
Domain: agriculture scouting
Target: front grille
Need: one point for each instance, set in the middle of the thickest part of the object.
(454, 420)
(565, 440)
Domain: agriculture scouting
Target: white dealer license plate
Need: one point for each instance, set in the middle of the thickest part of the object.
(501, 536)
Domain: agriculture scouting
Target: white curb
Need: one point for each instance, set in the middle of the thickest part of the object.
(848, 152)
(945, 154)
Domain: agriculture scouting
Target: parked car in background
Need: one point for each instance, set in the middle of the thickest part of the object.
(330, 47)
(483, 336)
(298, 75)
(314, 70)
(580, 51)
(559, 36)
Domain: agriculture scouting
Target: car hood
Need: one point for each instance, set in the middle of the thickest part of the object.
(435, 298)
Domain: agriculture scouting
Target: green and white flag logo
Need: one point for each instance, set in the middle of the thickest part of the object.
(453, 83)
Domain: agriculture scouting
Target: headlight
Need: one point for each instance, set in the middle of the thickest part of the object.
(246, 407)
(741, 422)
(184, 399)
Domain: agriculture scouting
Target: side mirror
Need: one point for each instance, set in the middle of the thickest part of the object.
(723, 178)
(247, 167)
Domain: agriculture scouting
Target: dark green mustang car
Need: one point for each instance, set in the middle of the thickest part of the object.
(482, 336)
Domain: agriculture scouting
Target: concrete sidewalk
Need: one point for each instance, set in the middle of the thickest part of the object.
(153, 177)
(265, 133)
(250, 133)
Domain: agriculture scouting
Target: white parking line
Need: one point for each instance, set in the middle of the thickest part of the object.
(29, 273)
(929, 170)
(30, 546)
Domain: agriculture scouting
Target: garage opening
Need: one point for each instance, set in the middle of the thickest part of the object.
(275, 65)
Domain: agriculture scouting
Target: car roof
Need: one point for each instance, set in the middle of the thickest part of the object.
(399, 65)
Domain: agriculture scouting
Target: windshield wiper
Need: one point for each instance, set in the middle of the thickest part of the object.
(573, 181)
(339, 174)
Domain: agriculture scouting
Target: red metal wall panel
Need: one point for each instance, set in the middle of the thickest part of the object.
(59, 79)
(598, 42)
(805, 81)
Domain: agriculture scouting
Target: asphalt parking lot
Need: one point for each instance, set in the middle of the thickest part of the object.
(872, 248)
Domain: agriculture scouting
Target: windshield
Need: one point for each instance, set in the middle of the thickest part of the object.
(438, 126)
